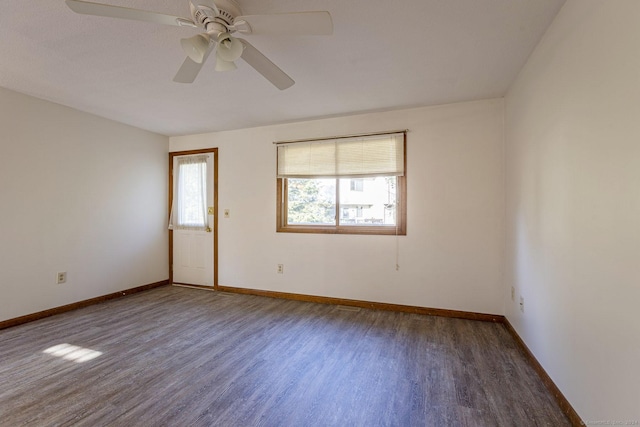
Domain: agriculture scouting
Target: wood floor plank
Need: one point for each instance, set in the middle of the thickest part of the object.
(182, 357)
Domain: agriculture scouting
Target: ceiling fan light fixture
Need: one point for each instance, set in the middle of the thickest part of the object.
(222, 65)
(196, 47)
(229, 48)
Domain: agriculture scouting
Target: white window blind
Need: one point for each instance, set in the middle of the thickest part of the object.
(377, 155)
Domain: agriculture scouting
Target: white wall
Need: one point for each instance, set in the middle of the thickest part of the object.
(79, 194)
(452, 256)
(573, 206)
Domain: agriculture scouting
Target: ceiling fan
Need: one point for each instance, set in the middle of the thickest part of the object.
(219, 20)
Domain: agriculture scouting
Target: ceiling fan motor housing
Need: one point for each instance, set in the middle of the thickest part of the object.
(204, 12)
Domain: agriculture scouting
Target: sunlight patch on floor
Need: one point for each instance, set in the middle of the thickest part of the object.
(72, 352)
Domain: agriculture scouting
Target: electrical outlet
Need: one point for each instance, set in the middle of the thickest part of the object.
(522, 304)
(513, 293)
(62, 277)
(226, 213)
(280, 268)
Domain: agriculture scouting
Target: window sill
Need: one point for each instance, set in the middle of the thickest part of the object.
(366, 230)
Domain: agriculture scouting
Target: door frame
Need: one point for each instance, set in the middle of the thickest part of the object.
(213, 151)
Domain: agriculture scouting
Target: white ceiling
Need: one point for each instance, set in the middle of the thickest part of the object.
(383, 55)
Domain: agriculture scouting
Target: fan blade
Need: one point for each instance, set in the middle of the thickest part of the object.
(188, 71)
(190, 68)
(289, 24)
(98, 9)
(264, 66)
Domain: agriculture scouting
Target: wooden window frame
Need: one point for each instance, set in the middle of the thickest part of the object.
(400, 229)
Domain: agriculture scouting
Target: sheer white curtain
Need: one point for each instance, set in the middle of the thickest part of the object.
(189, 207)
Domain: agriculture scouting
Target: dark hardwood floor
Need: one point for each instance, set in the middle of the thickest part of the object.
(183, 357)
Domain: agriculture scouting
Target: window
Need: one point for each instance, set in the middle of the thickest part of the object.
(189, 208)
(350, 185)
(357, 184)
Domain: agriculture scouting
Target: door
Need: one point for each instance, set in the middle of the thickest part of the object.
(192, 221)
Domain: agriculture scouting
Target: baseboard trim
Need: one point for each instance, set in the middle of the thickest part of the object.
(496, 318)
(562, 401)
(76, 305)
